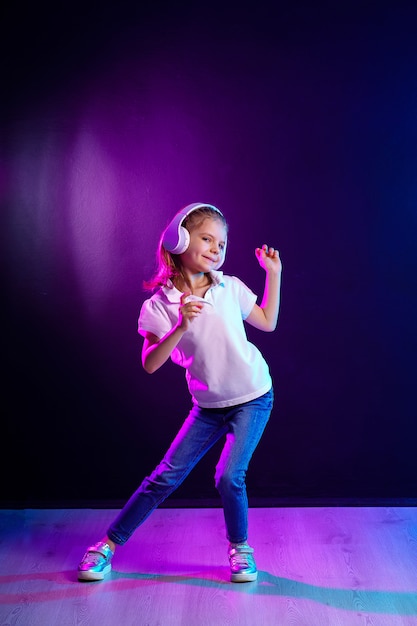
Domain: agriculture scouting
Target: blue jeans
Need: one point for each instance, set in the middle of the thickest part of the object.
(242, 425)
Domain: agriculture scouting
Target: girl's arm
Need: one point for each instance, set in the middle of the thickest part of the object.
(265, 316)
(155, 351)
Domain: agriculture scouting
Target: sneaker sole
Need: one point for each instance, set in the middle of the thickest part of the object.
(244, 578)
(88, 575)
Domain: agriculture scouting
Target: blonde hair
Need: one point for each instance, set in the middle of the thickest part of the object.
(169, 266)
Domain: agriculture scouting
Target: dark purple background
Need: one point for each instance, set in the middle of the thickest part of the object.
(300, 123)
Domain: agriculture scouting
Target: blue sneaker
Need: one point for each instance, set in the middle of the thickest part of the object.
(95, 563)
(242, 564)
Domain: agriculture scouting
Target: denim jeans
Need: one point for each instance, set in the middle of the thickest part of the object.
(242, 425)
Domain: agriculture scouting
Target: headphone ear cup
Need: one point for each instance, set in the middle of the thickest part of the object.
(183, 240)
(176, 238)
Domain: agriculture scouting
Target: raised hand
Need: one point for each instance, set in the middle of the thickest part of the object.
(268, 258)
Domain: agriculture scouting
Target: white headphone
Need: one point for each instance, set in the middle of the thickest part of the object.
(176, 238)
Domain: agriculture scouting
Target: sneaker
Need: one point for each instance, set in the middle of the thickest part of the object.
(242, 564)
(95, 563)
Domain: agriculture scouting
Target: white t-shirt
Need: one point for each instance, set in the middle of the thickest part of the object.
(222, 367)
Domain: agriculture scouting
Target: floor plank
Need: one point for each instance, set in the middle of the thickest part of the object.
(318, 566)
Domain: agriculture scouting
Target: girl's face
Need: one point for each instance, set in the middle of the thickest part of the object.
(206, 248)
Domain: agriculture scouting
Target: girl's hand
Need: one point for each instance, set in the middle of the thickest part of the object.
(188, 311)
(268, 258)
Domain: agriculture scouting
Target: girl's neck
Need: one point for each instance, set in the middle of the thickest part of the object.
(197, 283)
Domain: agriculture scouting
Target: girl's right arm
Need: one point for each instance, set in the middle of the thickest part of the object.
(155, 351)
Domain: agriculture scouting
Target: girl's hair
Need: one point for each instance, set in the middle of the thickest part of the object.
(168, 265)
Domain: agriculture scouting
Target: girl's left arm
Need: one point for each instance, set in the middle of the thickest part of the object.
(265, 316)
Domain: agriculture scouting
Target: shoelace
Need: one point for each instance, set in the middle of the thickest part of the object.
(92, 557)
(241, 557)
(240, 561)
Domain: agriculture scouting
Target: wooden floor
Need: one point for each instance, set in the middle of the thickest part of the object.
(317, 567)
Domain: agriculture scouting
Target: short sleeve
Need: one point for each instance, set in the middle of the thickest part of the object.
(153, 318)
(246, 297)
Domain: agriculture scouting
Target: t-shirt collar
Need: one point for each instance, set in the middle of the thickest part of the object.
(174, 295)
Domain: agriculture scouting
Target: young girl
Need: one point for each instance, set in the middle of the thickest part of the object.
(195, 317)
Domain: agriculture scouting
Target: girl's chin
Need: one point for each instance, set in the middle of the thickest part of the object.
(201, 269)
(205, 266)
